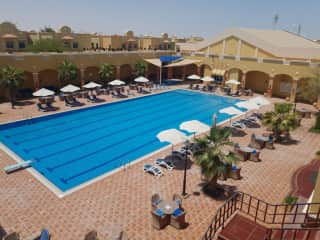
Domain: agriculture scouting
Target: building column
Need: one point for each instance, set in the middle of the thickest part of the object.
(183, 72)
(243, 80)
(36, 83)
(199, 71)
(293, 90)
(118, 71)
(270, 86)
(82, 76)
(226, 76)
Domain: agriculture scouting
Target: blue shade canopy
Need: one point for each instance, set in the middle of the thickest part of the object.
(169, 59)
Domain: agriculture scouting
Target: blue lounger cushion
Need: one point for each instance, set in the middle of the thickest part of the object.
(177, 212)
(159, 212)
(44, 235)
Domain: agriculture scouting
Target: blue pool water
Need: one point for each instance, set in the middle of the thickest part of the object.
(71, 148)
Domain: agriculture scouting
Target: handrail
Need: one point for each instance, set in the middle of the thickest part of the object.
(262, 211)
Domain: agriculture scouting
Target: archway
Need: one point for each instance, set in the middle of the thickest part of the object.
(91, 74)
(48, 78)
(191, 69)
(282, 84)
(205, 70)
(177, 72)
(257, 81)
(126, 73)
(153, 72)
(235, 73)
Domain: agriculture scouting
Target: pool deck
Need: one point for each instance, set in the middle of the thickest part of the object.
(122, 200)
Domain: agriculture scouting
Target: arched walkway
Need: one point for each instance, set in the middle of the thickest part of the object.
(28, 81)
(235, 73)
(205, 70)
(91, 74)
(282, 84)
(257, 81)
(191, 69)
(126, 73)
(49, 79)
(153, 72)
(177, 72)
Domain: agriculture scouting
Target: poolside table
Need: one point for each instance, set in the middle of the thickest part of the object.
(168, 207)
(304, 113)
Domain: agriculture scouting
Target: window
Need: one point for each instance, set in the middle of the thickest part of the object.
(75, 45)
(92, 45)
(22, 44)
(97, 45)
(10, 44)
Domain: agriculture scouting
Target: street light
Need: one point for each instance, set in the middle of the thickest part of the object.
(184, 184)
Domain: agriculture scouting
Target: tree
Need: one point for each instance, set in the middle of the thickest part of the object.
(47, 29)
(212, 156)
(282, 120)
(67, 72)
(106, 73)
(140, 68)
(310, 89)
(46, 45)
(12, 79)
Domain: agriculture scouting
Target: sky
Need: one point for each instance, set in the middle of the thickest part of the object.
(152, 17)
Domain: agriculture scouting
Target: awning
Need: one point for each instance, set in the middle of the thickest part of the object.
(184, 62)
(218, 72)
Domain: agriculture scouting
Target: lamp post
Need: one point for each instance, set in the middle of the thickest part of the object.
(184, 184)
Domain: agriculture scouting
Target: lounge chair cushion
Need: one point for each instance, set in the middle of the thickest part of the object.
(159, 212)
(177, 212)
(234, 168)
(44, 235)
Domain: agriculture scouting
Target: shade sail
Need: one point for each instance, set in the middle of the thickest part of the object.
(141, 79)
(116, 82)
(91, 85)
(249, 105)
(233, 81)
(172, 136)
(231, 111)
(158, 63)
(207, 79)
(194, 126)
(43, 92)
(194, 77)
(169, 59)
(69, 88)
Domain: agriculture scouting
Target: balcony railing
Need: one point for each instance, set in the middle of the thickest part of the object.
(287, 216)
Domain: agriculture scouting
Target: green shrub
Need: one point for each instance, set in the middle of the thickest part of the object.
(46, 45)
(290, 200)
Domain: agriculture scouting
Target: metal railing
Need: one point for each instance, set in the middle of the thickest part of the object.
(259, 210)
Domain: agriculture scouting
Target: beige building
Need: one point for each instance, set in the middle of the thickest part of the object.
(267, 61)
(12, 39)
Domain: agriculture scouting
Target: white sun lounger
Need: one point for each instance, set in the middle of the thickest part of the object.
(17, 166)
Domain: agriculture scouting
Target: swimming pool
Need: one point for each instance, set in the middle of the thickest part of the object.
(74, 147)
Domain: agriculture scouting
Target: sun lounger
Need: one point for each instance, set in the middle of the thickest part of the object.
(258, 142)
(181, 154)
(50, 107)
(239, 125)
(197, 87)
(17, 166)
(165, 163)
(236, 94)
(152, 169)
(41, 108)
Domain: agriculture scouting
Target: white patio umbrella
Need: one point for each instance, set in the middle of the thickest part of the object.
(91, 85)
(207, 79)
(231, 111)
(116, 82)
(69, 89)
(249, 105)
(43, 92)
(233, 81)
(172, 136)
(194, 126)
(194, 77)
(141, 79)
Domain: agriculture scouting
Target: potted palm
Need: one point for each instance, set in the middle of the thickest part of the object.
(12, 79)
(281, 120)
(212, 156)
(106, 73)
(290, 201)
(67, 72)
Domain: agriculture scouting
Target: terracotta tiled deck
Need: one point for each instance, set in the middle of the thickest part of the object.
(122, 201)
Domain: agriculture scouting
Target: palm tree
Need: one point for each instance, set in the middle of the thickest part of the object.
(67, 72)
(106, 73)
(310, 90)
(140, 68)
(282, 120)
(212, 156)
(12, 79)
